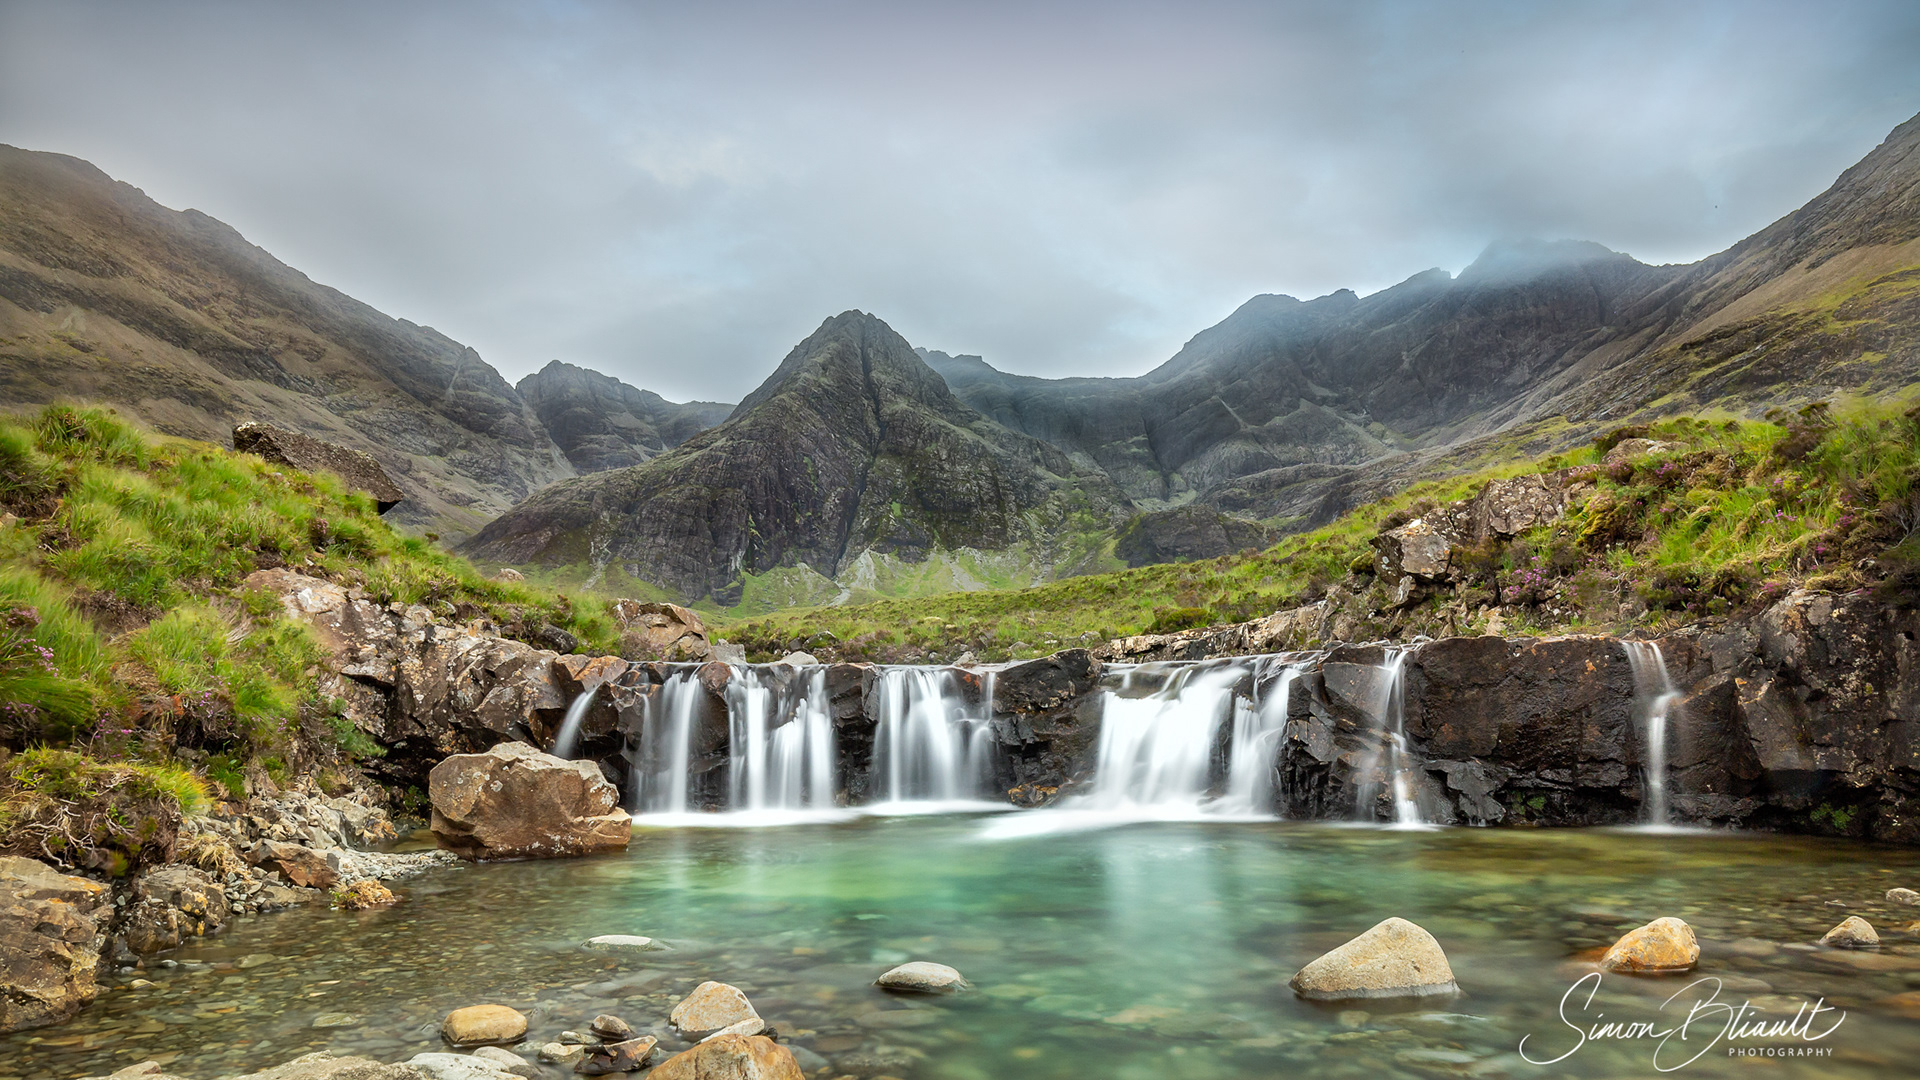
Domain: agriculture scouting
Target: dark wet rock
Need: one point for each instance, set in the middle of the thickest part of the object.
(52, 931)
(515, 802)
(308, 454)
(1395, 958)
(1047, 684)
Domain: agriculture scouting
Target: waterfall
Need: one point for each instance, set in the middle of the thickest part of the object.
(1156, 745)
(927, 748)
(1257, 730)
(1654, 700)
(780, 746)
(659, 770)
(1390, 718)
(563, 743)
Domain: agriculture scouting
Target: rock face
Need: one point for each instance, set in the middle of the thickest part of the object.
(1393, 959)
(1663, 946)
(308, 454)
(731, 1057)
(852, 446)
(1853, 933)
(923, 978)
(172, 904)
(1189, 532)
(52, 928)
(484, 1025)
(515, 802)
(601, 423)
(713, 1006)
(1416, 549)
(176, 320)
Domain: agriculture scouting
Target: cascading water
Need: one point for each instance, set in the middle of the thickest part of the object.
(1390, 717)
(1655, 699)
(780, 744)
(1257, 730)
(928, 747)
(564, 743)
(659, 770)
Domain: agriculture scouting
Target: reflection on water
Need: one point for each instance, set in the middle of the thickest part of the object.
(1154, 950)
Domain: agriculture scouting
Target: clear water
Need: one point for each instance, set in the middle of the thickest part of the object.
(1156, 950)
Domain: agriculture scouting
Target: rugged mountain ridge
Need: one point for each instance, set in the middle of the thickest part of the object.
(1296, 410)
(853, 446)
(601, 423)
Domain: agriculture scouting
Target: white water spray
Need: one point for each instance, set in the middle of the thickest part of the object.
(926, 746)
(1389, 709)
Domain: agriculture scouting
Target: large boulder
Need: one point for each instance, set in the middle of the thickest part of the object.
(308, 454)
(1512, 506)
(657, 631)
(1663, 946)
(1393, 959)
(731, 1057)
(51, 933)
(711, 1007)
(171, 904)
(515, 802)
(1417, 549)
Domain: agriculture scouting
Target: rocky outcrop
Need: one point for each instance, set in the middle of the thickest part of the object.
(853, 445)
(308, 454)
(515, 802)
(659, 631)
(52, 931)
(601, 423)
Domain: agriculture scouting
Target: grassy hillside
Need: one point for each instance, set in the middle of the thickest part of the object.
(1730, 515)
(125, 629)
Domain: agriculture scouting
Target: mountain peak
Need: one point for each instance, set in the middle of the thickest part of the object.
(1516, 260)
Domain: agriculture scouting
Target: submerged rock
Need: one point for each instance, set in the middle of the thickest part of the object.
(1661, 946)
(731, 1057)
(1853, 932)
(623, 943)
(1903, 896)
(479, 1025)
(459, 1067)
(611, 1027)
(711, 1007)
(1393, 959)
(514, 801)
(508, 1060)
(925, 978)
(364, 896)
(51, 932)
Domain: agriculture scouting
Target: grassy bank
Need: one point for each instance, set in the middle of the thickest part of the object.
(125, 627)
(1726, 515)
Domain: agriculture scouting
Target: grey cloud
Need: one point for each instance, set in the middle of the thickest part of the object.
(675, 193)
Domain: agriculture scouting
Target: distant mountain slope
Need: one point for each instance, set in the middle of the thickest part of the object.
(174, 318)
(601, 423)
(852, 447)
(1293, 409)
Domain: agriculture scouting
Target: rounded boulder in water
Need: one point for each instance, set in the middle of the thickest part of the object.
(921, 977)
(611, 1028)
(1663, 946)
(1853, 932)
(1903, 896)
(479, 1025)
(623, 943)
(735, 1057)
(713, 1006)
(1393, 959)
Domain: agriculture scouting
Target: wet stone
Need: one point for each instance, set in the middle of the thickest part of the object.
(611, 1028)
(1853, 933)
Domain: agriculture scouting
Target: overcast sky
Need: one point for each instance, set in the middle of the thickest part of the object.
(676, 193)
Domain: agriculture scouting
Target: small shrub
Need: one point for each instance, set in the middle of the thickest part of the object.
(115, 817)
